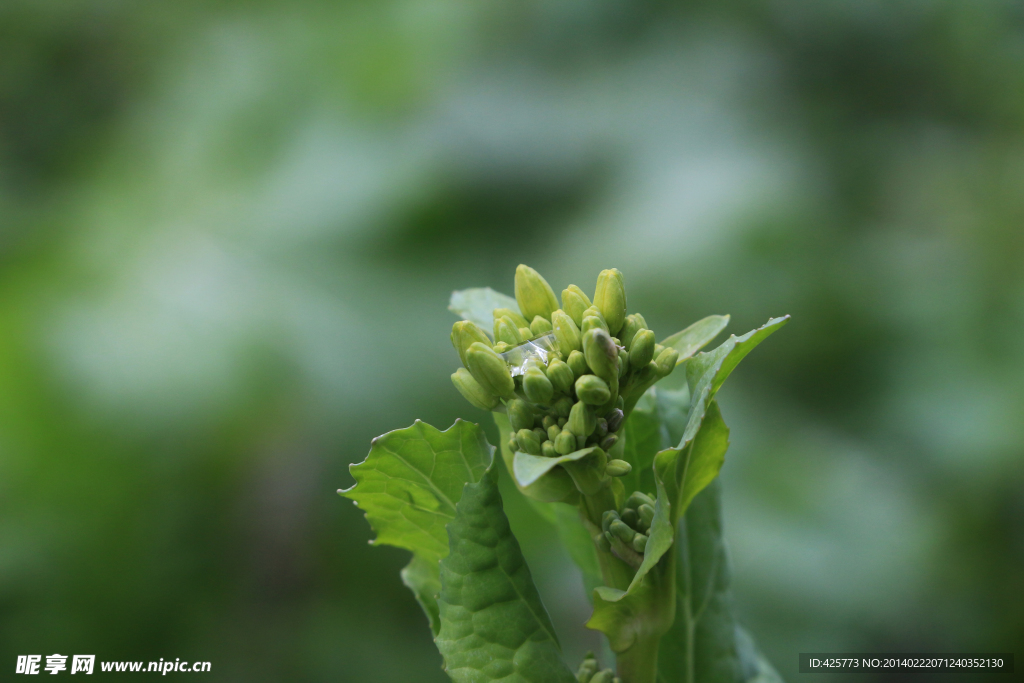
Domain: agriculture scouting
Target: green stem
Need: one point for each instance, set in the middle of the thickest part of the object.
(639, 664)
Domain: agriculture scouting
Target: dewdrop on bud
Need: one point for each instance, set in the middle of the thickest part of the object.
(517, 318)
(464, 333)
(560, 375)
(593, 390)
(472, 391)
(540, 326)
(610, 297)
(537, 386)
(533, 294)
(642, 350)
(490, 370)
(618, 468)
(567, 334)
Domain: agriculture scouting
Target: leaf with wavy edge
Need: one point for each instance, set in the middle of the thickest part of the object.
(409, 486)
(527, 468)
(478, 303)
(556, 487)
(696, 336)
(493, 624)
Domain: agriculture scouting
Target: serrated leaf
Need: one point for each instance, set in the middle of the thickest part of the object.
(409, 486)
(528, 469)
(696, 336)
(477, 305)
(493, 624)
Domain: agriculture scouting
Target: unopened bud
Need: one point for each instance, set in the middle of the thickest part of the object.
(615, 420)
(525, 333)
(516, 316)
(630, 517)
(587, 669)
(566, 333)
(602, 428)
(560, 375)
(562, 406)
(607, 517)
(642, 351)
(646, 513)
(528, 441)
(541, 434)
(547, 449)
(618, 468)
(592, 322)
(581, 420)
(540, 326)
(640, 543)
(563, 420)
(566, 442)
(601, 541)
(464, 333)
(574, 302)
(621, 530)
(596, 312)
(533, 294)
(472, 391)
(666, 361)
(490, 370)
(593, 390)
(513, 445)
(537, 386)
(505, 330)
(601, 354)
(609, 441)
(610, 297)
(520, 414)
(553, 431)
(605, 676)
(638, 498)
(548, 420)
(502, 347)
(577, 362)
(629, 329)
(623, 362)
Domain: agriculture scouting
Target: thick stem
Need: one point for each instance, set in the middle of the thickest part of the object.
(639, 664)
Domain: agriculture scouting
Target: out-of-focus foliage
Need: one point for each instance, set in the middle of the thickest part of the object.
(228, 234)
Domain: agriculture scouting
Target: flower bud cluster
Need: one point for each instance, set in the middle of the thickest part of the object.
(569, 397)
(589, 673)
(626, 533)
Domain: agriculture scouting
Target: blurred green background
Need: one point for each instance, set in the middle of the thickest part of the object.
(228, 234)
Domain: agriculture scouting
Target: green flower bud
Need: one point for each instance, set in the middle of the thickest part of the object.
(629, 329)
(560, 375)
(525, 333)
(566, 442)
(553, 431)
(562, 407)
(490, 370)
(639, 544)
(566, 332)
(592, 322)
(615, 420)
(610, 297)
(601, 541)
(605, 676)
(587, 669)
(642, 351)
(541, 434)
(465, 333)
(540, 326)
(593, 390)
(638, 498)
(547, 449)
(472, 391)
(578, 364)
(501, 347)
(623, 362)
(646, 513)
(602, 428)
(505, 330)
(601, 354)
(517, 318)
(666, 361)
(533, 294)
(607, 517)
(563, 420)
(658, 348)
(596, 312)
(537, 386)
(629, 516)
(621, 530)
(609, 441)
(548, 420)
(581, 420)
(528, 441)
(574, 302)
(513, 445)
(618, 468)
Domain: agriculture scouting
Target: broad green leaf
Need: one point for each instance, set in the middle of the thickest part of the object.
(493, 624)
(527, 469)
(409, 486)
(557, 486)
(696, 336)
(756, 668)
(642, 438)
(477, 305)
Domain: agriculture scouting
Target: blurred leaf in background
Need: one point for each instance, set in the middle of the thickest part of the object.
(228, 234)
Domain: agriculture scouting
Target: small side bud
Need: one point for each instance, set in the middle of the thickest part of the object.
(607, 517)
(533, 294)
(472, 391)
(547, 449)
(640, 543)
(646, 513)
(577, 362)
(593, 390)
(537, 386)
(574, 302)
(490, 370)
(540, 326)
(642, 351)
(615, 420)
(592, 322)
(505, 330)
(581, 419)
(553, 431)
(547, 421)
(528, 441)
(562, 407)
(629, 329)
(602, 428)
(560, 375)
(501, 347)
(610, 297)
(618, 468)
(666, 361)
(621, 530)
(517, 318)
(566, 442)
(464, 333)
(609, 441)
(638, 498)
(567, 334)
(525, 333)
(520, 414)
